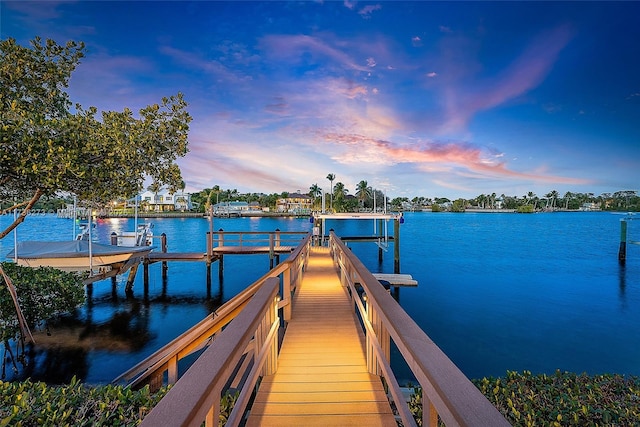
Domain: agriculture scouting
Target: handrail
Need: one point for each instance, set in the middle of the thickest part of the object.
(196, 396)
(238, 238)
(167, 357)
(446, 391)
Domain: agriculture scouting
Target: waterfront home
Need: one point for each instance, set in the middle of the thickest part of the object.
(296, 203)
(164, 201)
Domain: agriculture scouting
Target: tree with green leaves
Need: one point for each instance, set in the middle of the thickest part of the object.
(363, 192)
(50, 146)
(315, 192)
(331, 177)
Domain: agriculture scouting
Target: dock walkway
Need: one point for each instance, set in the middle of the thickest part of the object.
(322, 377)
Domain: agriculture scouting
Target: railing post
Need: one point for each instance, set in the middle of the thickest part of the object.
(286, 293)
(220, 237)
(172, 370)
(429, 413)
(213, 414)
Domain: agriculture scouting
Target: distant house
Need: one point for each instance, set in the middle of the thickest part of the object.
(296, 203)
(590, 206)
(230, 208)
(164, 201)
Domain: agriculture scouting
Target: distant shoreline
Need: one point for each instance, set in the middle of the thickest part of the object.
(255, 214)
(203, 215)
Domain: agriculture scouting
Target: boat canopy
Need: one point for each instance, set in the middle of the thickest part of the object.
(70, 249)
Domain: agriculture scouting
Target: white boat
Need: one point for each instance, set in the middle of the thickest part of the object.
(76, 255)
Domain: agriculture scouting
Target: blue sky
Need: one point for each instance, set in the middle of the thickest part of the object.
(434, 99)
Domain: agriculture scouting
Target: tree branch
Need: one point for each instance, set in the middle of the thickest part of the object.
(23, 214)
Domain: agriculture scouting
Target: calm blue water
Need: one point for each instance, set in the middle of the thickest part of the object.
(496, 292)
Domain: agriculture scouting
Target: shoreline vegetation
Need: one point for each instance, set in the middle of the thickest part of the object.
(525, 399)
(176, 214)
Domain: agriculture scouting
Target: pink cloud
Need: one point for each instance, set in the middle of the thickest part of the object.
(459, 154)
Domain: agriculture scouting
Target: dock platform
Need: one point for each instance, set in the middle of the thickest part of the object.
(322, 377)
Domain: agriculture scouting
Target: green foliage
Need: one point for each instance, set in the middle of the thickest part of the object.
(415, 405)
(42, 293)
(458, 205)
(525, 209)
(48, 147)
(31, 404)
(561, 399)
(227, 403)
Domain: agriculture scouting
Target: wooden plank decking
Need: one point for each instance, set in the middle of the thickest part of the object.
(322, 378)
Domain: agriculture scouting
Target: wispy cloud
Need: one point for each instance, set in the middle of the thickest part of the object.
(366, 11)
(460, 154)
(466, 97)
(293, 47)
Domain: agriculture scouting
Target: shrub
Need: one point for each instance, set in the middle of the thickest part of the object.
(561, 399)
(34, 404)
(42, 293)
(38, 404)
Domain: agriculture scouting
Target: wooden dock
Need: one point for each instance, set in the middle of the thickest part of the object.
(216, 253)
(322, 377)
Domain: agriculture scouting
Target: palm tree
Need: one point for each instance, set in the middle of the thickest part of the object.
(363, 191)
(554, 196)
(339, 191)
(567, 197)
(315, 191)
(331, 177)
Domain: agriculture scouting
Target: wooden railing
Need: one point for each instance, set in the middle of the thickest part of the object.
(446, 391)
(152, 370)
(196, 396)
(257, 238)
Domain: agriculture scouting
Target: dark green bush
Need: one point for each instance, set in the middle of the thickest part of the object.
(42, 293)
(561, 399)
(37, 404)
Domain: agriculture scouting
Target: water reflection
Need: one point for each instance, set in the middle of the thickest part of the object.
(62, 350)
(622, 285)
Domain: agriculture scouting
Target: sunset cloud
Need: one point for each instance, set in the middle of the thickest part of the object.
(413, 97)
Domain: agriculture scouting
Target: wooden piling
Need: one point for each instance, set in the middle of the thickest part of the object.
(396, 246)
(622, 251)
(209, 248)
(145, 276)
(380, 236)
(163, 240)
(131, 278)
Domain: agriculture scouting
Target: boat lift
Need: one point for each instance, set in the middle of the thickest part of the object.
(381, 236)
